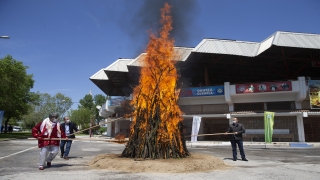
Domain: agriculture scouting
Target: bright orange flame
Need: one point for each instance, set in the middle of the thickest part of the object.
(156, 96)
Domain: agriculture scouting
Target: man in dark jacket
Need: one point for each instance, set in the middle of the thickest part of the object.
(236, 138)
(68, 127)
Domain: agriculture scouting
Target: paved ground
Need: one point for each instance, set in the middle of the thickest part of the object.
(274, 162)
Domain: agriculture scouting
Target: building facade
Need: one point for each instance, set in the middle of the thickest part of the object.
(222, 79)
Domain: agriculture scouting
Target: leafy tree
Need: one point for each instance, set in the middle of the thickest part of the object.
(15, 88)
(81, 117)
(62, 103)
(43, 106)
(87, 102)
(102, 130)
(91, 103)
(99, 100)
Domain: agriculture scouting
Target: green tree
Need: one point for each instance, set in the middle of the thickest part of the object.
(87, 102)
(81, 117)
(15, 88)
(99, 100)
(102, 130)
(43, 106)
(91, 103)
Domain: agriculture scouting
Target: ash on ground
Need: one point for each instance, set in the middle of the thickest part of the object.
(194, 163)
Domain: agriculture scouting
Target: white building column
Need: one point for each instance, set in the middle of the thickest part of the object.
(109, 129)
(117, 127)
(228, 96)
(302, 94)
(300, 128)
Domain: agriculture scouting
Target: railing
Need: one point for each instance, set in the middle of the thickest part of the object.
(279, 135)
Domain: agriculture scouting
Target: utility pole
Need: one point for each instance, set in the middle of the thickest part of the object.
(92, 115)
(91, 126)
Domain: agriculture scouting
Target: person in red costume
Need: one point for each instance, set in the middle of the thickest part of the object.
(48, 128)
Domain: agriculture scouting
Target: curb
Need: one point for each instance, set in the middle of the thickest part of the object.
(8, 139)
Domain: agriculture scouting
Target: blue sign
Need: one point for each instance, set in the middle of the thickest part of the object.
(202, 91)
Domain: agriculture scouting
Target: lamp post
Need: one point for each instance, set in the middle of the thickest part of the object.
(5, 37)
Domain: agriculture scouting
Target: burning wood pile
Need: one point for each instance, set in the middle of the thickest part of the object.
(156, 130)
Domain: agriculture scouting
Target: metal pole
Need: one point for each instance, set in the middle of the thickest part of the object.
(90, 127)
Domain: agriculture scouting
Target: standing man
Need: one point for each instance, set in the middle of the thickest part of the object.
(48, 128)
(68, 127)
(236, 138)
(10, 129)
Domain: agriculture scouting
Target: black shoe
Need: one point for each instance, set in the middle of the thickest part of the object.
(61, 156)
(48, 164)
(66, 158)
(244, 159)
(234, 159)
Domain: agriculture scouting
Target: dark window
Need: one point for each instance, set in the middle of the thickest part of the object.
(286, 105)
(249, 106)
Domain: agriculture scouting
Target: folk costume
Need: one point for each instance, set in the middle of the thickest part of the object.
(49, 148)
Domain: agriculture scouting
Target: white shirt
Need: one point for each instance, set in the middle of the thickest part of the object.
(66, 126)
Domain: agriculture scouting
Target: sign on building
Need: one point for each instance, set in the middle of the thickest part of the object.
(263, 87)
(202, 91)
(314, 92)
(316, 63)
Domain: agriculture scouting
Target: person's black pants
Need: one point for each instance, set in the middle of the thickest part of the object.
(234, 148)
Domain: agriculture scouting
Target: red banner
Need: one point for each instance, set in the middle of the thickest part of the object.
(263, 87)
(316, 63)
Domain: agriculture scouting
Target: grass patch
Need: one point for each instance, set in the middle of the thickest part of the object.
(17, 135)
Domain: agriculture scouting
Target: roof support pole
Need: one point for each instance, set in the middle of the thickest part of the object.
(227, 95)
(302, 68)
(275, 70)
(285, 62)
(206, 76)
(307, 62)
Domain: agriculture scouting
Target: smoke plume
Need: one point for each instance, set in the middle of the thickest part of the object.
(147, 18)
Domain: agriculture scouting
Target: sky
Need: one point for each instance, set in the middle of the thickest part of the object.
(65, 42)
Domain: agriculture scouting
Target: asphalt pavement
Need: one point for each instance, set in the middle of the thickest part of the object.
(19, 158)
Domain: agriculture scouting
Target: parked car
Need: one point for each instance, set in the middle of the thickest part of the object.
(17, 129)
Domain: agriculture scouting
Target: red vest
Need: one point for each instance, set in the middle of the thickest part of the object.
(36, 132)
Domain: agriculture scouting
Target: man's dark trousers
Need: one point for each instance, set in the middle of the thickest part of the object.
(234, 148)
(65, 152)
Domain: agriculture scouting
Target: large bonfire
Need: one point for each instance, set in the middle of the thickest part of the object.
(156, 127)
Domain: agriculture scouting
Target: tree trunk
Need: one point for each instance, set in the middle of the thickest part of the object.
(6, 125)
(151, 140)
